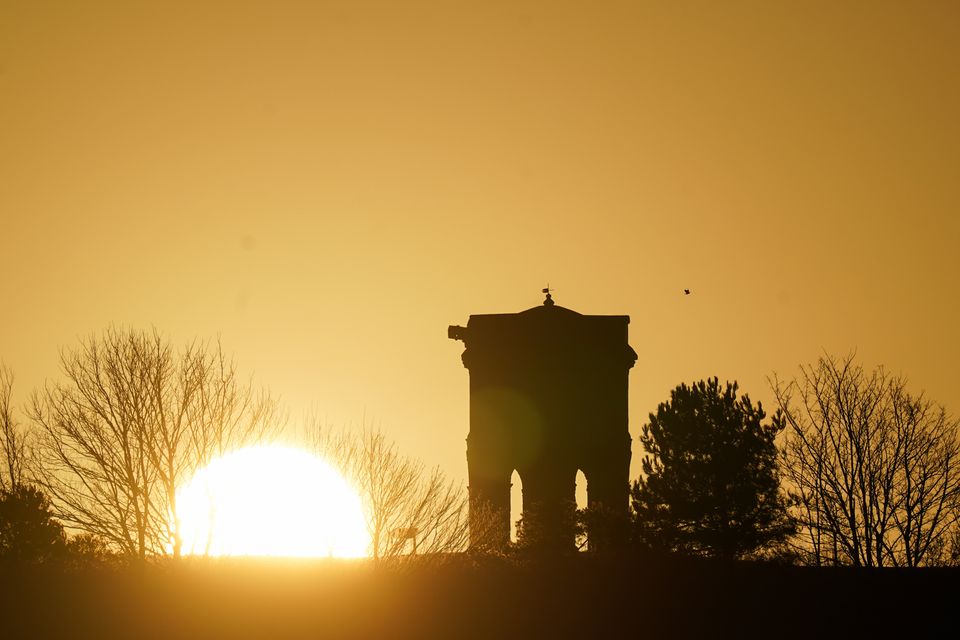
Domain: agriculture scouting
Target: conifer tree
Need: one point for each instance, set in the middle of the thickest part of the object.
(711, 485)
(28, 531)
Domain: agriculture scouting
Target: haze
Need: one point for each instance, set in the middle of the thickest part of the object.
(327, 186)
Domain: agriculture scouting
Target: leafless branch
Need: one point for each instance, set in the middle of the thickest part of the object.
(409, 506)
(872, 471)
(129, 423)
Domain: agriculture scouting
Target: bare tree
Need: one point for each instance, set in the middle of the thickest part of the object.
(131, 420)
(873, 472)
(13, 444)
(410, 508)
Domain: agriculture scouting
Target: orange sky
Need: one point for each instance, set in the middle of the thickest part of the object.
(328, 185)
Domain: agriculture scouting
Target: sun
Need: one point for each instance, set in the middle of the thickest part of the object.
(271, 501)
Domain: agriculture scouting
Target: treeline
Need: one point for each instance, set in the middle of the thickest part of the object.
(851, 469)
(101, 453)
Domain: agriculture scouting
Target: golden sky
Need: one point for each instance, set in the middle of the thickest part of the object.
(328, 185)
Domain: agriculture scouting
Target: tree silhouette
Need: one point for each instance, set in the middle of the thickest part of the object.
(874, 471)
(130, 421)
(551, 531)
(595, 529)
(28, 532)
(710, 484)
(13, 445)
(409, 506)
(603, 529)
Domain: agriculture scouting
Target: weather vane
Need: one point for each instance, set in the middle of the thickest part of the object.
(549, 301)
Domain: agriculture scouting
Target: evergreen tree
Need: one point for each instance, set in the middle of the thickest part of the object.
(711, 484)
(28, 532)
(557, 530)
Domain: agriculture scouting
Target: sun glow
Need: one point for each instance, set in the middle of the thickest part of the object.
(271, 501)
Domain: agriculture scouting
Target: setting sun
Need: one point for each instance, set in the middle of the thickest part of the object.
(271, 501)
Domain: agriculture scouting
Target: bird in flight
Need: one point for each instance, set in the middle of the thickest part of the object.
(686, 292)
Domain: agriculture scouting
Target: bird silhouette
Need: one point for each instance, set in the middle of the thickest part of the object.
(686, 292)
